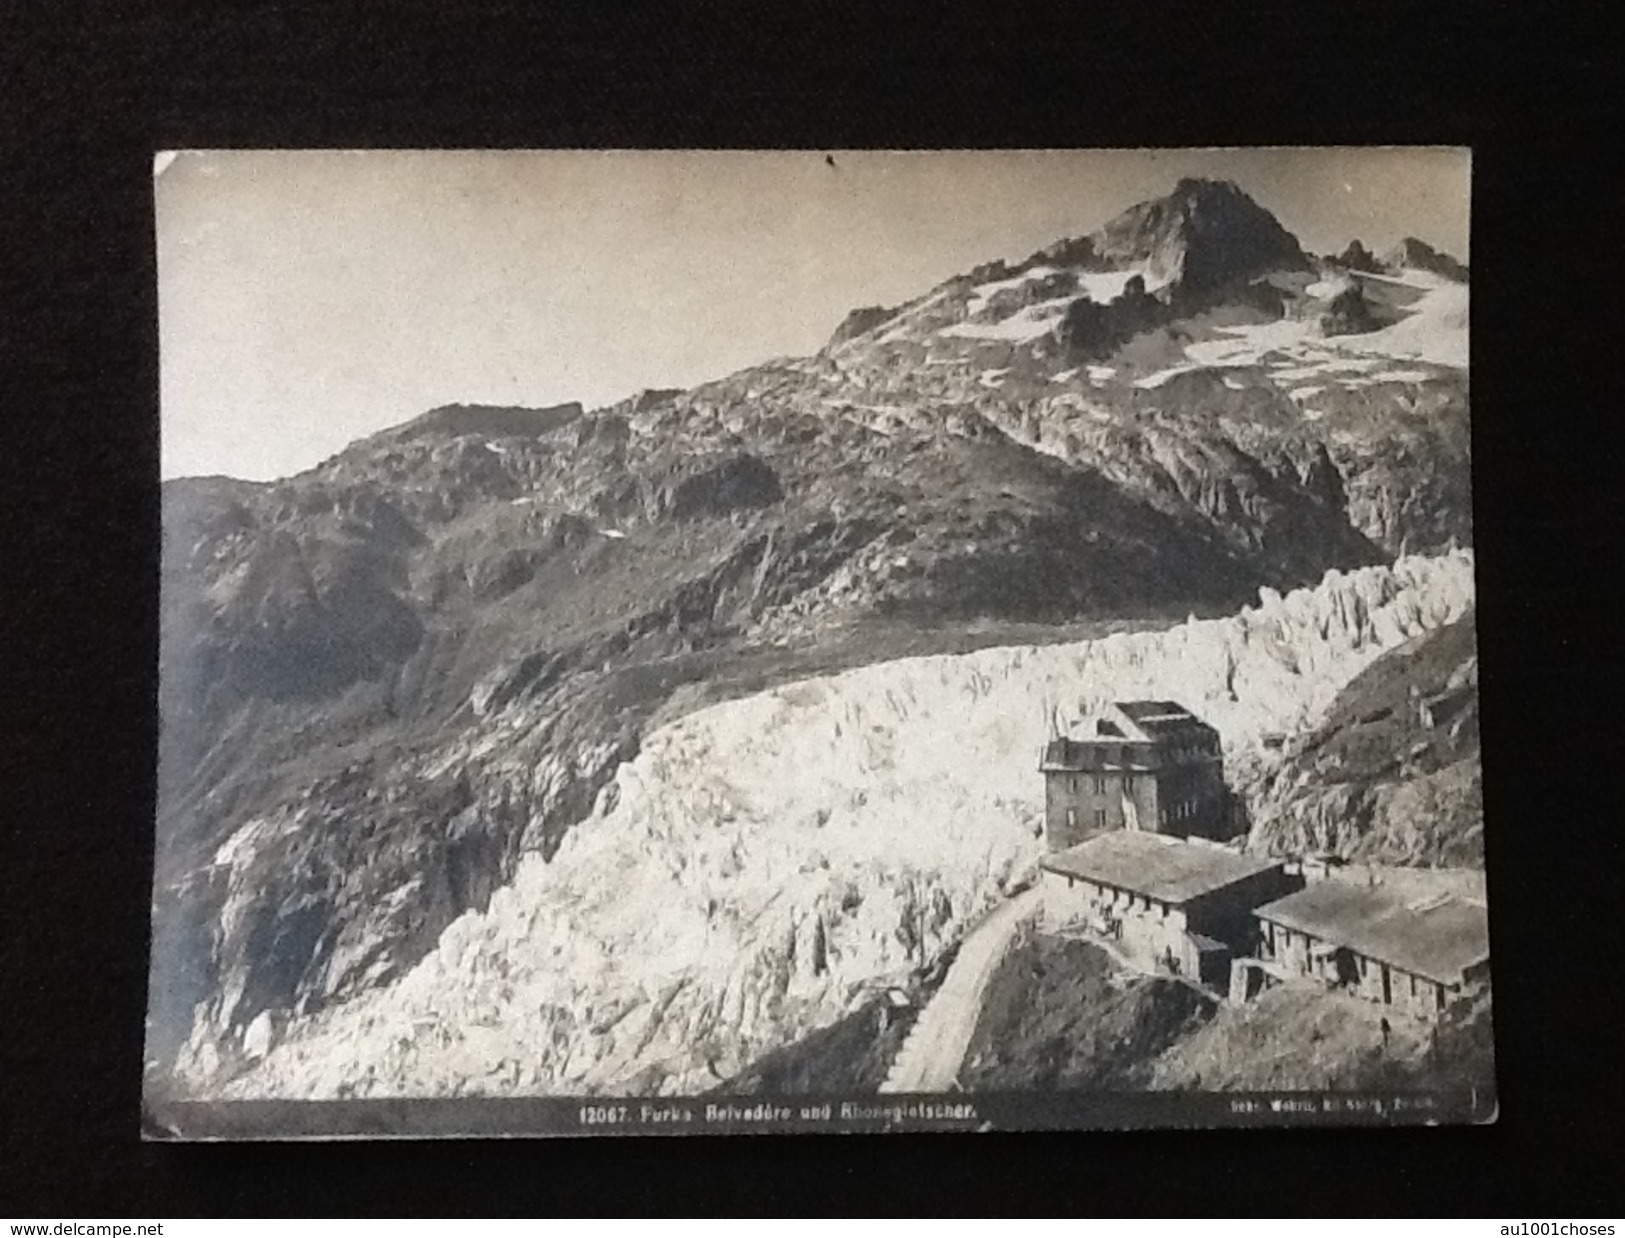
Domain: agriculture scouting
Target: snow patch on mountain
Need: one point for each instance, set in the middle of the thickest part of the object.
(1326, 289)
(1152, 381)
(981, 294)
(1024, 326)
(1435, 330)
(764, 863)
(1104, 286)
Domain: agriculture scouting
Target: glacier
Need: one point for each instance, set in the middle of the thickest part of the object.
(763, 865)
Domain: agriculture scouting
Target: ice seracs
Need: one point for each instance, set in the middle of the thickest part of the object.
(763, 863)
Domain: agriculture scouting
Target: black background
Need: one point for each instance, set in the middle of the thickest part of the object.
(88, 93)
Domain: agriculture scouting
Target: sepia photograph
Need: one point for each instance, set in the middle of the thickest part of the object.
(661, 642)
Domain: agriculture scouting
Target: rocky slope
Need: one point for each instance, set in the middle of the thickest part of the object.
(765, 865)
(1063, 1016)
(1393, 775)
(1303, 1038)
(391, 683)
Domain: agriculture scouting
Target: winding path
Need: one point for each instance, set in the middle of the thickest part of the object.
(930, 1058)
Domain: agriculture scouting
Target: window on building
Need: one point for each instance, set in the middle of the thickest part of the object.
(1100, 786)
(1100, 818)
(1071, 818)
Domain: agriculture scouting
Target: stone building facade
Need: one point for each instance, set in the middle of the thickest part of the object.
(1138, 765)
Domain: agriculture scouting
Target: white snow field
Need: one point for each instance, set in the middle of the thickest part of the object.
(758, 867)
(981, 294)
(1032, 321)
(1434, 329)
(1024, 325)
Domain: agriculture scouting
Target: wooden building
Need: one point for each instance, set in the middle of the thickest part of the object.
(1416, 955)
(1164, 900)
(1138, 765)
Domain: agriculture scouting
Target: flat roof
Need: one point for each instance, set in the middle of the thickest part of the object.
(1140, 710)
(1167, 869)
(1438, 939)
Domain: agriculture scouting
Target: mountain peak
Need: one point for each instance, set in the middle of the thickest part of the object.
(1202, 186)
(1202, 236)
(1356, 257)
(1419, 255)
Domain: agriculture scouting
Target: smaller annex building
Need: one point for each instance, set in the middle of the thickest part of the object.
(1416, 955)
(1170, 903)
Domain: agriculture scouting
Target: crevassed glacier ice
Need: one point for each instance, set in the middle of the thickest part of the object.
(765, 861)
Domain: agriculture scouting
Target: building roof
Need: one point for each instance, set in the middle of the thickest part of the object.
(1162, 719)
(1138, 733)
(1069, 756)
(1141, 721)
(1152, 709)
(1437, 940)
(1167, 869)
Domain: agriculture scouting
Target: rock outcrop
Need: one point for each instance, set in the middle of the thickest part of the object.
(1356, 257)
(1348, 313)
(1417, 255)
(1393, 775)
(1089, 331)
(859, 321)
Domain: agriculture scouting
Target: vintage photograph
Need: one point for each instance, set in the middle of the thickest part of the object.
(775, 641)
